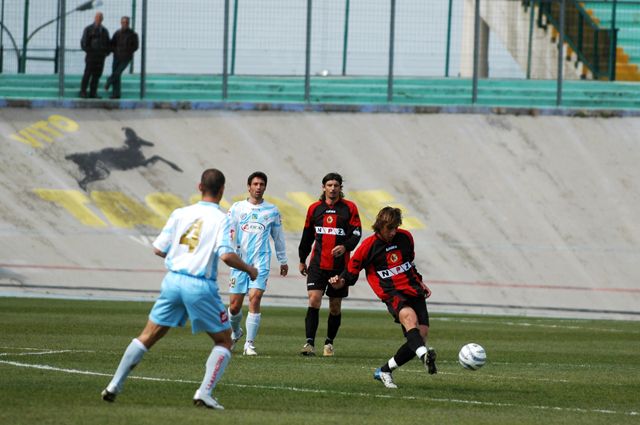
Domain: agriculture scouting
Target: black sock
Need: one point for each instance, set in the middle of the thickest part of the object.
(414, 339)
(333, 324)
(311, 324)
(402, 356)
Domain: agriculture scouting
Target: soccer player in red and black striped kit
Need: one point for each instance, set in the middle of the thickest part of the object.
(387, 258)
(333, 223)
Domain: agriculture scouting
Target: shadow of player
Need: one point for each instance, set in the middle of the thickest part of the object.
(98, 165)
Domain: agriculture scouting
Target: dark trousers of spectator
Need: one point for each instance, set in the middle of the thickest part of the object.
(114, 80)
(91, 77)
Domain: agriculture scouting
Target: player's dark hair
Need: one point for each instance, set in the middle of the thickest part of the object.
(212, 181)
(258, 174)
(387, 217)
(331, 176)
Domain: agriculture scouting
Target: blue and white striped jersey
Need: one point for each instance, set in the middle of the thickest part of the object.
(252, 225)
(193, 238)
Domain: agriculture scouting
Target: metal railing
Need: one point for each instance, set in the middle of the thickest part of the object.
(594, 45)
(235, 37)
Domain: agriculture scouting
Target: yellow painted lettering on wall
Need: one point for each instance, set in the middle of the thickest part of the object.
(45, 131)
(63, 123)
(292, 216)
(302, 199)
(74, 202)
(196, 197)
(124, 211)
(44, 127)
(369, 202)
(23, 136)
(163, 203)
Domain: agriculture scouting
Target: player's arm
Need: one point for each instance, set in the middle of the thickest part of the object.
(349, 275)
(162, 243)
(233, 224)
(231, 259)
(354, 229)
(306, 241)
(278, 240)
(227, 254)
(411, 258)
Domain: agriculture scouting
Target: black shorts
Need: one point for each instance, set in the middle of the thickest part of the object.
(318, 279)
(399, 301)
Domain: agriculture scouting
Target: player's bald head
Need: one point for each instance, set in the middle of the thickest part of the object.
(212, 182)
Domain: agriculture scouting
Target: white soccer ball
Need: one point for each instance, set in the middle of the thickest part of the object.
(472, 356)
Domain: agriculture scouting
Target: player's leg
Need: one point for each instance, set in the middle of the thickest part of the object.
(209, 314)
(415, 319)
(238, 287)
(133, 354)
(315, 291)
(214, 369)
(335, 315)
(167, 312)
(311, 321)
(420, 307)
(256, 290)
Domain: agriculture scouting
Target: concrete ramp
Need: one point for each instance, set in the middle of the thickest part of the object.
(511, 215)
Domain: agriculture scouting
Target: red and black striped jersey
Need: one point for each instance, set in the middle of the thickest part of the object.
(327, 226)
(388, 265)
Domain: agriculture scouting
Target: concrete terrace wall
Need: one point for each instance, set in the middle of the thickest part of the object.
(511, 215)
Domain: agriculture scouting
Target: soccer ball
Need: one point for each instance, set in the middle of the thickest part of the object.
(472, 356)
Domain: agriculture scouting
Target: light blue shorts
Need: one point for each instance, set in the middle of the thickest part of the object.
(183, 296)
(239, 282)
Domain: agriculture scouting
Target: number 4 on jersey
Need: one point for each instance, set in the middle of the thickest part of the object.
(191, 237)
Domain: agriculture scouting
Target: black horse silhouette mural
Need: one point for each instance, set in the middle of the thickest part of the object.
(98, 165)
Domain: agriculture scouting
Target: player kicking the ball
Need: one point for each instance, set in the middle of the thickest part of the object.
(387, 258)
(253, 221)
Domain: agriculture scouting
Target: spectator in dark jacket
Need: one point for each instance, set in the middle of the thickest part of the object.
(123, 44)
(95, 43)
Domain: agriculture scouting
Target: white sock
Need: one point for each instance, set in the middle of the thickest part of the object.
(131, 357)
(253, 324)
(421, 351)
(215, 366)
(236, 321)
(392, 364)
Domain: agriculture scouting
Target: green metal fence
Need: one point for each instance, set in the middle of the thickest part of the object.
(473, 40)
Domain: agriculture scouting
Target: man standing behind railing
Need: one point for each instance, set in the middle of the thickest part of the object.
(124, 43)
(95, 42)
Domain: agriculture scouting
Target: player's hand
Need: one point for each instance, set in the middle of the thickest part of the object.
(338, 250)
(336, 281)
(253, 273)
(284, 269)
(303, 269)
(427, 291)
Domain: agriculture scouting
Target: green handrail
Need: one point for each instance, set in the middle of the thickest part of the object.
(591, 42)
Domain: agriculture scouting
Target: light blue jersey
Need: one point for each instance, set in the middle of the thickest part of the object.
(252, 226)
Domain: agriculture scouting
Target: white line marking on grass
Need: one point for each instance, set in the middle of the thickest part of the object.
(484, 375)
(40, 353)
(538, 325)
(341, 393)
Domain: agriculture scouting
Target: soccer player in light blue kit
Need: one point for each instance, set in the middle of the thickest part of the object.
(191, 243)
(254, 221)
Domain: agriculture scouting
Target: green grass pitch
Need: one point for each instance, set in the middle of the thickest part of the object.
(57, 355)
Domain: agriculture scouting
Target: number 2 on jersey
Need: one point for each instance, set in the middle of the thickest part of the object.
(191, 237)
